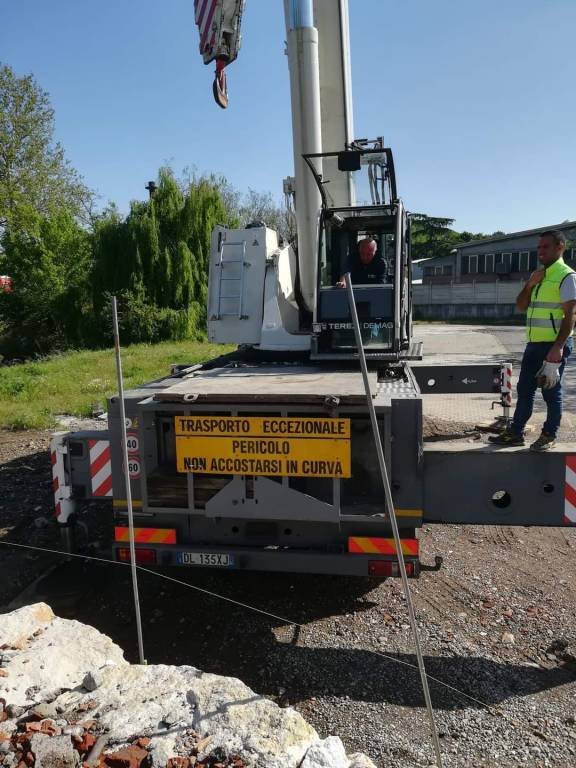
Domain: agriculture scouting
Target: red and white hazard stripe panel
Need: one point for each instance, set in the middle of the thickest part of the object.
(507, 384)
(63, 502)
(100, 467)
(204, 16)
(570, 491)
(58, 478)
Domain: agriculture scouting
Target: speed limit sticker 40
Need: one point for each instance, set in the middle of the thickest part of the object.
(132, 443)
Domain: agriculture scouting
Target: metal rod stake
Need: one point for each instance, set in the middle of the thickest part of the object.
(127, 480)
(393, 520)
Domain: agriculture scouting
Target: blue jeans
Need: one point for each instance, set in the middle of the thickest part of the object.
(534, 355)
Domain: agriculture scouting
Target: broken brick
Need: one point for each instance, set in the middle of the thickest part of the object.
(129, 757)
(48, 727)
(143, 742)
(84, 743)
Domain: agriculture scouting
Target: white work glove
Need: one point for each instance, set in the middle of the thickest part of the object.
(548, 376)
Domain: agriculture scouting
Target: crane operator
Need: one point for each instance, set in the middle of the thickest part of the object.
(367, 267)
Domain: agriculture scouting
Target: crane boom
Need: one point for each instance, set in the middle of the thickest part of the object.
(319, 63)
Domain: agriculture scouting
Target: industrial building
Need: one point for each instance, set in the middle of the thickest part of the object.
(509, 257)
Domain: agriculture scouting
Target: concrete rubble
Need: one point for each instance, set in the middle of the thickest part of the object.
(69, 698)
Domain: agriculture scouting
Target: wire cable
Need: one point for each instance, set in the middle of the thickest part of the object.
(240, 604)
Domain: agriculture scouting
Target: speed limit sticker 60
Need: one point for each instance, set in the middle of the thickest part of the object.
(134, 468)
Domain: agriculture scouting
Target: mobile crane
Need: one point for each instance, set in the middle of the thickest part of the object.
(264, 458)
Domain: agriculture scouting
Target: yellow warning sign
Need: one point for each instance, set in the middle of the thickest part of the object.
(263, 445)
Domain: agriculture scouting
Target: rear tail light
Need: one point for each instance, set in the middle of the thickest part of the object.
(143, 556)
(388, 568)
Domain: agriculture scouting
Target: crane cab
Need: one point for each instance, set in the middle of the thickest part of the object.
(371, 241)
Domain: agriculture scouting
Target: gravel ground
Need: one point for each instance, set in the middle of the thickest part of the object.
(497, 623)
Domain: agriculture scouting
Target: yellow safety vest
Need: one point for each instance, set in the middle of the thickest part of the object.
(545, 313)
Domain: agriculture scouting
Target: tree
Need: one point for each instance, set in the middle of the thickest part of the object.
(431, 235)
(34, 171)
(156, 259)
(48, 258)
(260, 206)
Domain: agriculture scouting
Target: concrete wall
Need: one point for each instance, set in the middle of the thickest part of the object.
(466, 301)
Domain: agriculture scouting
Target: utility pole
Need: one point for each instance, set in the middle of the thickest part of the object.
(151, 187)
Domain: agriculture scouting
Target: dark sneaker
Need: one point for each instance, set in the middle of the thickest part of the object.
(507, 438)
(544, 443)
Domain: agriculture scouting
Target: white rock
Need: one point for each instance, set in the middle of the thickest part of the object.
(358, 760)
(241, 721)
(329, 753)
(160, 701)
(56, 659)
(133, 701)
(17, 627)
(162, 748)
(53, 751)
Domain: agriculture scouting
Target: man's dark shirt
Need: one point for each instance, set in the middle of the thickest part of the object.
(363, 274)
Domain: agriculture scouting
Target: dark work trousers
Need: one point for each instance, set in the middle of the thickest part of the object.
(534, 355)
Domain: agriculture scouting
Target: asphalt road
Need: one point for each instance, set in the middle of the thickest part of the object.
(476, 344)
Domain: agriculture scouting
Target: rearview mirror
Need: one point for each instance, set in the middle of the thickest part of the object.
(349, 161)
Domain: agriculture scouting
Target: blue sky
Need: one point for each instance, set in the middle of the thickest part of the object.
(475, 98)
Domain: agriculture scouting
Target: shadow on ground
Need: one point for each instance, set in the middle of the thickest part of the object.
(274, 658)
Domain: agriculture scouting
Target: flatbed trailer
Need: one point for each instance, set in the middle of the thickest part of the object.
(313, 518)
(265, 458)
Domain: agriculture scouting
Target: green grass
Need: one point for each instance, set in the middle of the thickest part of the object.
(33, 394)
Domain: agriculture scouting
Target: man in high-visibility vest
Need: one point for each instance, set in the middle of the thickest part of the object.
(549, 299)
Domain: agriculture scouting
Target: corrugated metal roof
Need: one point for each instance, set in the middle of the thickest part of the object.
(513, 235)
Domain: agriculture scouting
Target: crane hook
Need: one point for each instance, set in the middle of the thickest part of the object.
(220, 87)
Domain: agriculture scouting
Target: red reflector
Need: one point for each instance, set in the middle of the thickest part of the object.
(143, 556)
(388, 568)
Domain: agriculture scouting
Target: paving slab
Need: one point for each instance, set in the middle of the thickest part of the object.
(462, 344)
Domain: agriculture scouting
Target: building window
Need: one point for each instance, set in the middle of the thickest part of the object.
(428, 271)
(524, 261)
(481, 263)
(447, 269)
(507, 261)
(497, 259)
(489, 263)
(533, 261)
(465, 265)
(516, 262)
(473, 264)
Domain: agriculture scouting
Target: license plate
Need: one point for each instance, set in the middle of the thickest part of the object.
(205, 558)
